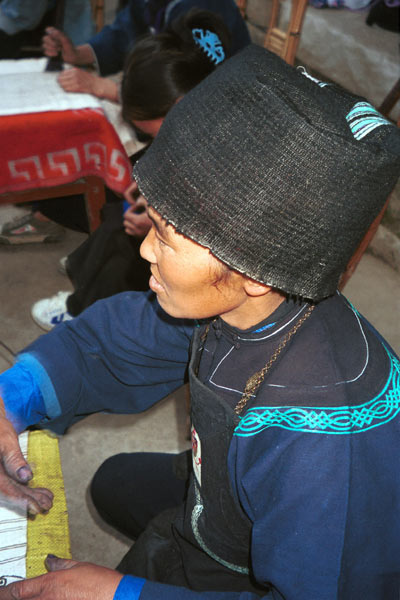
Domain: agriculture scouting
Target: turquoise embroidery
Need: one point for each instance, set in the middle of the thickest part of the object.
(329, 420)
(210, 43)
(304, 72)
(364, 118)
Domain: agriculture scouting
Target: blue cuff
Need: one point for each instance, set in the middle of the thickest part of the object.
(52, 408)
(129, 588)
(22, 398)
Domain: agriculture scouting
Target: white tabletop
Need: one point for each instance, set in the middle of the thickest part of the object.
(25, 87)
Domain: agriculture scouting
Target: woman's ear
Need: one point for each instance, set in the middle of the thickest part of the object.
(255, 288)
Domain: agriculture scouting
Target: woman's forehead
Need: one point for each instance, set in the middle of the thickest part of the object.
(161, 224)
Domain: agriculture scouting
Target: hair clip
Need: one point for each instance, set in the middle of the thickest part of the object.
(210, 43)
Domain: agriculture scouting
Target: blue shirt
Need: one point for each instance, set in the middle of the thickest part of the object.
(25, 15)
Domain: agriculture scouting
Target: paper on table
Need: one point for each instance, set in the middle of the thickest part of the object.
(26, 65)
(27, 88)
(13, 530)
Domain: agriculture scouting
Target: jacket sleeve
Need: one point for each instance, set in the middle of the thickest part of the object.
(20, 392)
(20, 15)
(113, 42)
(135, 588)
(121, 355)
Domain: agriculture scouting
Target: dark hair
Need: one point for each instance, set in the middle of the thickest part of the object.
(163, 67)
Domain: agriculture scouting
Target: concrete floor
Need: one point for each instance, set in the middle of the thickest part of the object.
(30, 273)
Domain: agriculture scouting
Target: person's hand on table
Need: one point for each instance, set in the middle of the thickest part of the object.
(15, 474)
(67, 580)
(136, 220)
(80, 81)
(77, 80)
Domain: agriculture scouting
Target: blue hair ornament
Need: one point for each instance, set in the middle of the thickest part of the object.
(210, 43)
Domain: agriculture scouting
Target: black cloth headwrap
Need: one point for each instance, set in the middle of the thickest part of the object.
(279, 175)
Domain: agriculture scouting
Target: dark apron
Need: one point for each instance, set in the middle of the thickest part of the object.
(204, 544)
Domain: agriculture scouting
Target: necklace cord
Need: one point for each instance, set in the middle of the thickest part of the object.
(255, 380)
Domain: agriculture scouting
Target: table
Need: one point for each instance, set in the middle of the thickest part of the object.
(55, 144)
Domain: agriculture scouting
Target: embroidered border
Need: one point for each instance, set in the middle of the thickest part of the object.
(304, 72)
(364, 118)
(196, 513)
(329, 420)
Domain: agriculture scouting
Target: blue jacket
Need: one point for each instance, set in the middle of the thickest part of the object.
(312, 462)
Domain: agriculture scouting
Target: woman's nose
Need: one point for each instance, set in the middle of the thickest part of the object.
(146, 247)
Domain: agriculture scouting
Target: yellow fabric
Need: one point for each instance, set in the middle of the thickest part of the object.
(47, 534)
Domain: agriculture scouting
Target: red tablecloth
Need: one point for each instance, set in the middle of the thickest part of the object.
(52, 148)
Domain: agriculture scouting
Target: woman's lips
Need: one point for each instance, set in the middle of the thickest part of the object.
(155, 285)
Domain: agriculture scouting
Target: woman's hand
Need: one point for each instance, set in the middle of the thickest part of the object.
(67, 580)
(80, 81)
(136, 220)
(15, 474)
(55, 41)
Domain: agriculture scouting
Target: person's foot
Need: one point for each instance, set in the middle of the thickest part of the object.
(51, 311)
(13, 215)
(31, 230)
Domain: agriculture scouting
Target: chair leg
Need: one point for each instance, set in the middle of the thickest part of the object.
(95, 197)
(390, 100)
(98, 14)
(296, 22)
(242, 5)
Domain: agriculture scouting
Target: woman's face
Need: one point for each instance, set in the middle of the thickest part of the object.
(150, 127)
(187, 278)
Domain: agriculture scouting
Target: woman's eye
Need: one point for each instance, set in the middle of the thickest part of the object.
(161, 242)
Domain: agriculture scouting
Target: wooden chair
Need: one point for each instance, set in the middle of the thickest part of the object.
(98, 13)
(242, 4)
(282, 42)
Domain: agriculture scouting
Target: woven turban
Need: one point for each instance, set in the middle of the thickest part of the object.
(279, 175)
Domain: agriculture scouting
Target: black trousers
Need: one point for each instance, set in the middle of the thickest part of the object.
(107, 263)
(128, 490)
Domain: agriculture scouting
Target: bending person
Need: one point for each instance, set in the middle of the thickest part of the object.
(160, 70)
(107, 50)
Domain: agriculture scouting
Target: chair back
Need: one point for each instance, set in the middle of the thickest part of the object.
(282, 42)
(98, 13)
(285, 42)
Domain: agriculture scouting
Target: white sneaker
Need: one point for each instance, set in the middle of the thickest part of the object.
(51, 311)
